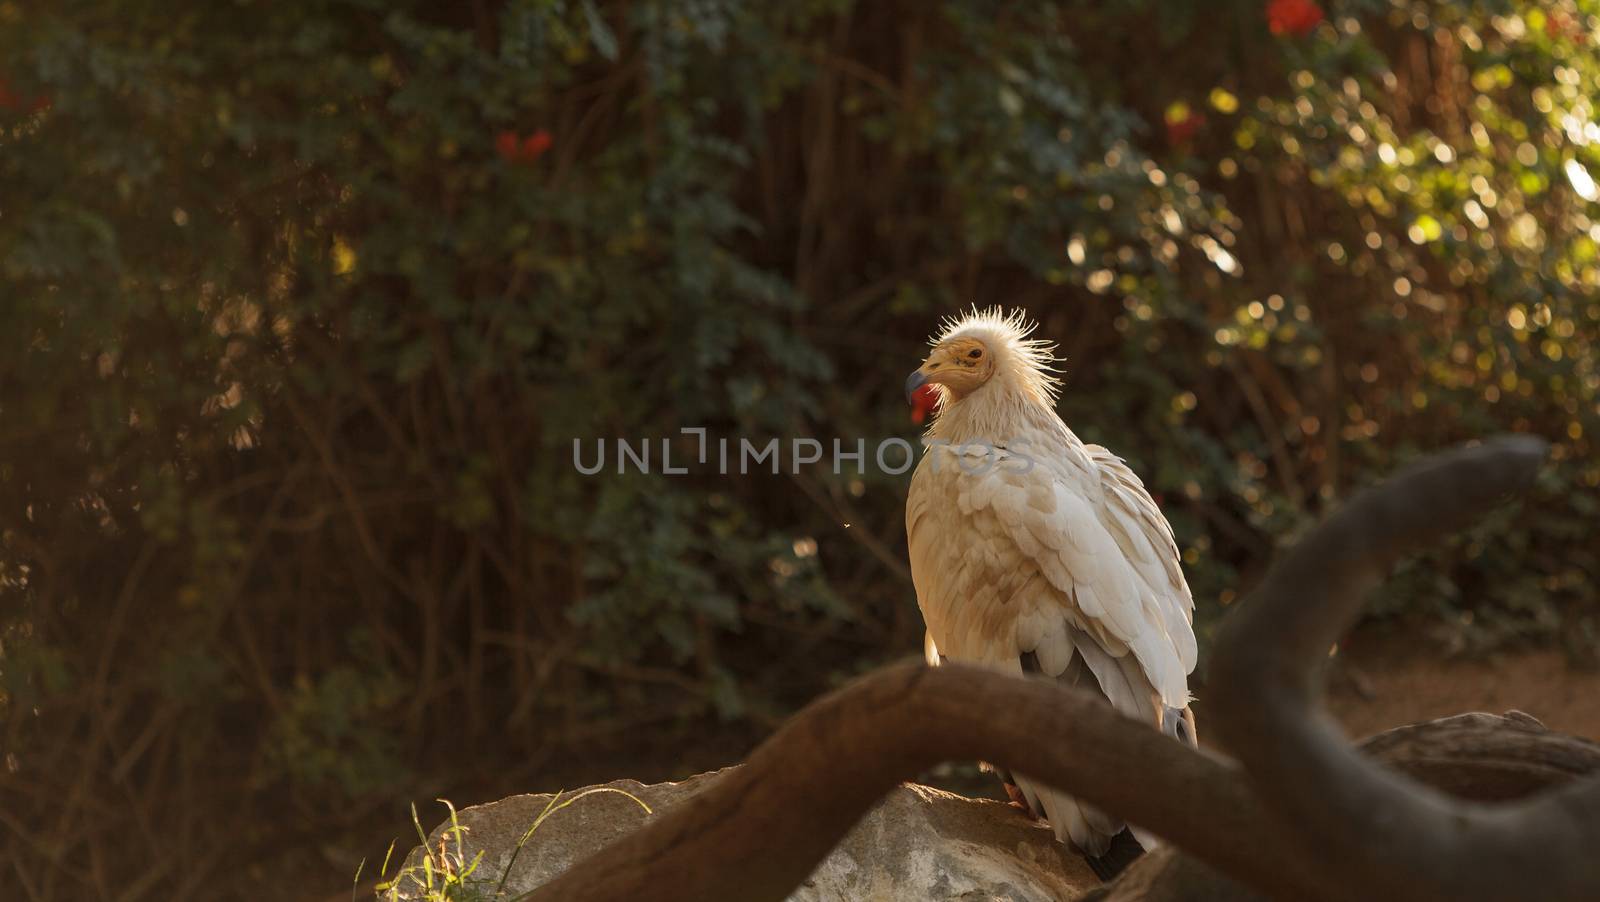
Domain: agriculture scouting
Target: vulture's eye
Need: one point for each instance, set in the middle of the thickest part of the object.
(974, 353)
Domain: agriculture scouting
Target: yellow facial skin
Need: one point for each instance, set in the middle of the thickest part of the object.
(961, 365)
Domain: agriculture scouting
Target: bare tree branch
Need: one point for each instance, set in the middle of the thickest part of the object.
(1485, 757)
(1397, 838)
(762, 828)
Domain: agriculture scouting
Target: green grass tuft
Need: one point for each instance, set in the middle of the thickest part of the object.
(446, 874)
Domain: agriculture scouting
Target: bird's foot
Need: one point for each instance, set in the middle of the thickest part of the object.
(1018, 800)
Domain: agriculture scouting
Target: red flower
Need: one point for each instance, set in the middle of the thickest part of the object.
(1293, 17)
(14, 102)
(1182, 122)
(535, 145)
(508, 146)
(1559, 25)
(922, 402)
(513, 148)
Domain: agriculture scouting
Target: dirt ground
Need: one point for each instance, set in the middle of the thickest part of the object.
(1385, 681)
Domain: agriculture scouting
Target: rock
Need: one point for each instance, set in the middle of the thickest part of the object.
(918, 844)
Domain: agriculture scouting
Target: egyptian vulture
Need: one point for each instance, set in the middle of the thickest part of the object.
(1034, 552)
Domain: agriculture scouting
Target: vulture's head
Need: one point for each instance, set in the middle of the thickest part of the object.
(988, 352)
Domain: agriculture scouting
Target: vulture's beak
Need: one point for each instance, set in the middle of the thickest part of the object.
(916, 380)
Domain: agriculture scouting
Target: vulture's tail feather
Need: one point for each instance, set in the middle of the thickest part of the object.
(1124, 850)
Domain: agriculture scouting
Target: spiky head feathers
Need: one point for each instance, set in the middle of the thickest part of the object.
(1012, 359)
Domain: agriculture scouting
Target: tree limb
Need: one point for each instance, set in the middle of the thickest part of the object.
(1395, 837)
(1473, 756)
(762, 828)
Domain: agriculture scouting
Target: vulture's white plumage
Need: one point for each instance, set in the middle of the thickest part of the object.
(1032, 551)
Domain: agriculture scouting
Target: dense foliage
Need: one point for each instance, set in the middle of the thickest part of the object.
(305, 305)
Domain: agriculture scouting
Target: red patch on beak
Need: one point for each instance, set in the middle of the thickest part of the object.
(922, 402)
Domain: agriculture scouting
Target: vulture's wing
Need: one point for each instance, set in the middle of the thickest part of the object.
(1065, 567)
(1145, 537)
(1006, 558)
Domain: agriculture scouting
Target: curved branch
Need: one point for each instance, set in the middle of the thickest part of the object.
(759, 830)
(1396, 837)
(1473, 756)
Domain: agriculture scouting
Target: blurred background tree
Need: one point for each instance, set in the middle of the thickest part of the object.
(306, 303)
